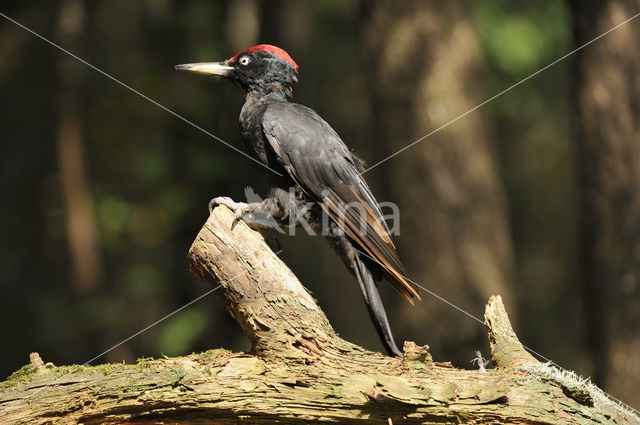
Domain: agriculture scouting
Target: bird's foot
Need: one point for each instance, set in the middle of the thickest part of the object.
(238, 207)
(225, 200)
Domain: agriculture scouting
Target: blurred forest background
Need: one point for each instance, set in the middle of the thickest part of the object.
(533, 196)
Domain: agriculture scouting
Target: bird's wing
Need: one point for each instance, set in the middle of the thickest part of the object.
(322, 166)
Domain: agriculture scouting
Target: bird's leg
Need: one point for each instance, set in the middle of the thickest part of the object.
(238, 207)
(257, 215)
(225, 200)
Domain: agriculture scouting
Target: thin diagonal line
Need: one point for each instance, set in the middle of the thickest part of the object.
(158, 321)
(501, 93)
(460, 309)
(175, 114)
(146, 328)
(444, 300)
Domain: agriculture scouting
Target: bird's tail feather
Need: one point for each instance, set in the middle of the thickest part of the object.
(374, 305)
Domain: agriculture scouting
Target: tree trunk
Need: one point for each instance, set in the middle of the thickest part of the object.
(425, 67)
(607, 94)
(299, 370)
(82, 230)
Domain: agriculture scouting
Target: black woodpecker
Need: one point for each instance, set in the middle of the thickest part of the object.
(294, 141)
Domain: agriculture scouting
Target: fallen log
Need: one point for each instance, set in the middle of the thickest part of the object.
(299, 370)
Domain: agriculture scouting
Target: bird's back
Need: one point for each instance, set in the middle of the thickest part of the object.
(320, 164)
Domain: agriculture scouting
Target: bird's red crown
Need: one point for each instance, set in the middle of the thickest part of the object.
(271, 49)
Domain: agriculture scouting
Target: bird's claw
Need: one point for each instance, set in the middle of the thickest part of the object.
(225, 200)
(239, 208)
(221, 200)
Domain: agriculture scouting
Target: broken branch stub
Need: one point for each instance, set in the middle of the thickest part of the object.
(275, 311)
(506, 349)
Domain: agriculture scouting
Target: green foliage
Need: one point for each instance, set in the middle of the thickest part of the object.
(521, 38)
(144, 280)
(114, 214)
(516, 45)
(178, 335)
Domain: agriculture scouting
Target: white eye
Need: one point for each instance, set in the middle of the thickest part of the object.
(245, 60)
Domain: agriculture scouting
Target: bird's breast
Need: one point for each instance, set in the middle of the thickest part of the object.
(255, 142)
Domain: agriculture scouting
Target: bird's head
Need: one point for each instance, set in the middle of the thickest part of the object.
(264, 68)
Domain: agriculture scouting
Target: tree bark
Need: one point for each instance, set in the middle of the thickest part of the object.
(299, 370)
(425, 67)
(607, 95)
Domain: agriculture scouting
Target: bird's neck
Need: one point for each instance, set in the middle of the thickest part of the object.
(276, 91)
(254, 106)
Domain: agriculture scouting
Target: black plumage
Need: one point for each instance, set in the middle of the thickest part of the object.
(297, 143)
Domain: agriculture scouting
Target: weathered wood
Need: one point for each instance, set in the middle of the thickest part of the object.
(299, 370)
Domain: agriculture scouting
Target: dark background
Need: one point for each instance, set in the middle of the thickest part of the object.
(533, 196)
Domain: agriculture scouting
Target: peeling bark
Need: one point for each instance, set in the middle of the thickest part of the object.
(299, 369)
